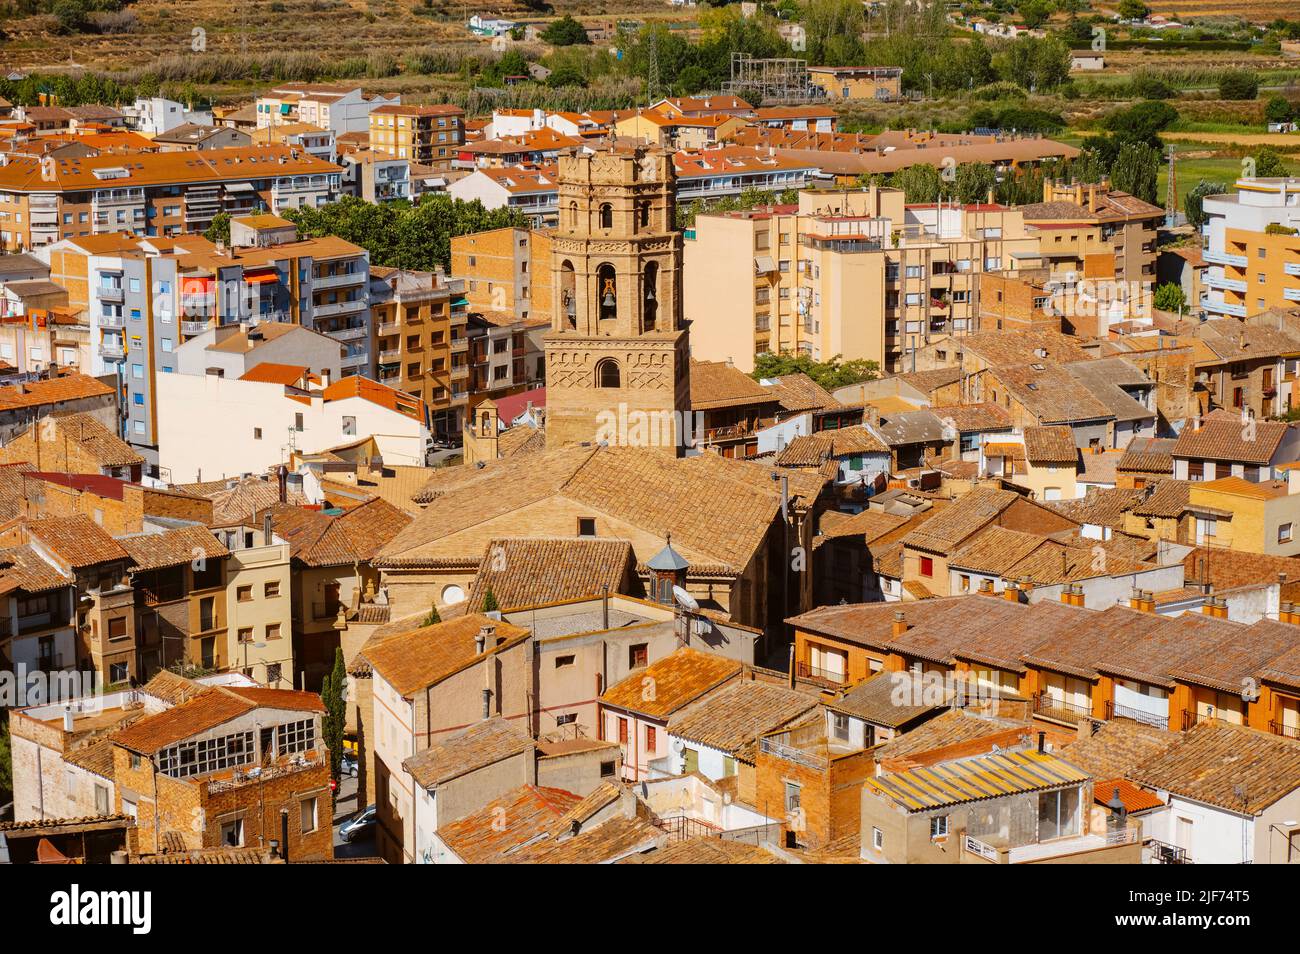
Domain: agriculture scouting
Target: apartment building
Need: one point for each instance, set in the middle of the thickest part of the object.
(314, 140)
(376, 176)
(883, 83)
(531, 191)
(153, 194)
(1095, 232)
(336, 106)
(427, 135)
(259, 603)
(1252, 247)
(858, 274)
(506, 270)
(421, 321)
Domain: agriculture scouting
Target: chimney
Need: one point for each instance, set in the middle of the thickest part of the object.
(282, 480)
(1222, 604)
(1135, 599)
(1011, 592)
(986, 587)
(1285, 612)
(267, 536)
(1208, 608)
(900, 623)
(482, 639)
(1042, 743)
(67, 718)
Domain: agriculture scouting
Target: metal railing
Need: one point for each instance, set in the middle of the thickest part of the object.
(1290, 731)
(816, 672)
(791, 754)
(1164, 854)
(1061, 709)
(1114, 711)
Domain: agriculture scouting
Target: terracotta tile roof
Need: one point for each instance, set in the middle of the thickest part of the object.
(24, 569)
(424, 657)
(487, 835)
(738, 714)
(1239, 658)
(246, 499)
(1106, 380)
(521, 439)
(72, 386)
(974, 779)
(319, 539)
(999, 349)
(206, 711)
(946, 729)
(156, 551)
(812, 450)
(1230, 767)
(93, 439)
(1116, 748)
(1134, 799)
(718, 511)
(674, 681)
(960, 519)
(913, 427)
(356, 386)
(482, 744)
(716, 384)
(95, 757)
(869, 524)
(1050, 393)
(1230, 569)
(608, 842)
(969, 418)
(1100, 506)
(1168, 498)
(798, 392)
(995, 550)
(76, 540)
(535, 571)
(1284, 669)
(268, 372)
(709, 851)
(1223, 437)
(876, 699)
(1050, 445)
(172, 688)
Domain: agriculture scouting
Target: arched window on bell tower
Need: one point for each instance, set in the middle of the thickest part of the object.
(607, 374)
(568, 294)
(650, 300)
(573, 216)
(643, 214)
(606, 293)
(606, 216)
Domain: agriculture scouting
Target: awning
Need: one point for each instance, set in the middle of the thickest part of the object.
(262, 278)
(764, 264)
(239, 187)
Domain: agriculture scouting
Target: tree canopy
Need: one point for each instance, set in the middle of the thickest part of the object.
(831, 374)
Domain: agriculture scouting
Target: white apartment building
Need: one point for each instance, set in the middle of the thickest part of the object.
(1250, 268)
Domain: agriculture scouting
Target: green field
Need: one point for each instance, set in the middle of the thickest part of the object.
(1192, 171)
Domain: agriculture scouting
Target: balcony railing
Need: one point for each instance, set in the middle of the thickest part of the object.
(1114, 711)
(791, 754)
(806, 671)
(1061, 710)
(1290, 731)
(1163, 854)
(1224, 258)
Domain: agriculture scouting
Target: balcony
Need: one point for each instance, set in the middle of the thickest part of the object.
(1291, 268)
(1056, 709)
(1225, 284)
(1115, 711)
(338, 280)
(110, 292)
(389, 328)
(1289, 731)
(194, 327)
(1163, 854)
(348, 334)
(1291, 294)
(1224, 258)
(338, 308)
(789, 753)
(112, 321)
(389, 357)
(110, 349)
(1224, 308)
(806, 671)
(459, 345)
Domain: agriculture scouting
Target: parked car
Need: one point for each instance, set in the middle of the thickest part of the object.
(360, 826)
(348, 765)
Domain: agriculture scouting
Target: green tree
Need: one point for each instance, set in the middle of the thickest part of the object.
(1135, 170)
(434, 617)
(6, 760)
(1194, 201)
(490, 604)
(565, 31)
(973, 182)
(71, 16)
(1035, 13)
(920, 183)
(219, 229)
(1278, 110)
(1170, 297)
(565, 76)
(1238, 84)
(835, 373)
(333, 691)
(1269, 164)
(1133, 10)
(1141, 122)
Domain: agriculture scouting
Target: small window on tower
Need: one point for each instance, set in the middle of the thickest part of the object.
(606, 216)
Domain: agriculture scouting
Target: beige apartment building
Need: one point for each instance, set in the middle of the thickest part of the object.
(259, 604)
(852, 273)
(427, 135)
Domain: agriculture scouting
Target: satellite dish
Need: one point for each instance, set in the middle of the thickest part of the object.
(685, 600)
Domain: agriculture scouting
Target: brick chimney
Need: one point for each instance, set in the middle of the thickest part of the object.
(900, 623)
(1012, 591)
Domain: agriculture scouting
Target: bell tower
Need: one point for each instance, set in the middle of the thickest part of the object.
(617, 355)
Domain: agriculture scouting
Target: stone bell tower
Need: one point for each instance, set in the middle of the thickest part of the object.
(617, 355)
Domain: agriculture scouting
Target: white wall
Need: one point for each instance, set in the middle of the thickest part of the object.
(206, 424)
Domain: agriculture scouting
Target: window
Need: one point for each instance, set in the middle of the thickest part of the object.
(840, 726)
(607, 769)
(297, 422)
(271, 588)
(607, 374)
(622, 731)
(606, 216)
(1058, 814)
(939, 826)
(566, 718)
(586, 526)
(244, 594)
(257, 433)
(117, 627)
(650, 738)
(349, 426)
(927, 566)
(563, 661)
(272, 630)
(877, 839)
(793, 793)
(246, 634)
(1284, 533)
(232, 833)
(69, 782)
(296, 736)
(638, 656)
(307, 814)
(101, 800)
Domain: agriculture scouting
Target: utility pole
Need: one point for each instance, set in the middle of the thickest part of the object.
(1171, 192)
